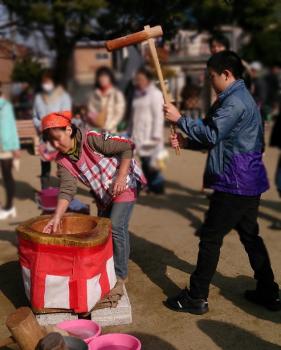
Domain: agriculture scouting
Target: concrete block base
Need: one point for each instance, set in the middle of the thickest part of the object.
(54, 318)
(122, 314)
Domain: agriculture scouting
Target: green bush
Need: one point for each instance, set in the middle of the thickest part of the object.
(27, 70)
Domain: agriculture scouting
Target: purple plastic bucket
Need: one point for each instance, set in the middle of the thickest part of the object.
(47, 199)
(84, 329)
(115, 341)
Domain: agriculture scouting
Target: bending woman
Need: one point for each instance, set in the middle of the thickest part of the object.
(105, 164)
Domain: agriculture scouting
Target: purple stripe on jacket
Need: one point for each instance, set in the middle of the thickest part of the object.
(245, 174)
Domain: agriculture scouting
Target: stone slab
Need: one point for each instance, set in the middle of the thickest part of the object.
(54, 318)
(120, 315)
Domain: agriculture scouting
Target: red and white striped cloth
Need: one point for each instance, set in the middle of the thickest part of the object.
(66, 277)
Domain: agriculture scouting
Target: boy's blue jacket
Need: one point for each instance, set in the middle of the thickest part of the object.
(233, 133)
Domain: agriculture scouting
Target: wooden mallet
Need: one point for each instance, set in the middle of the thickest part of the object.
(25, 328)
(148, 34)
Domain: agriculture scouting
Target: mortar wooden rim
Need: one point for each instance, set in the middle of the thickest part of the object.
(103, 228)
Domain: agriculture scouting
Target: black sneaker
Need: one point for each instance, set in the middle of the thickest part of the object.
(272, 304)
(184, 303)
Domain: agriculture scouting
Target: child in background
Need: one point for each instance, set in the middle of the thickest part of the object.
(191, 102)
(77, 119)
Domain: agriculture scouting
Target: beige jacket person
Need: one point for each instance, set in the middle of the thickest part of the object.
(112, 101)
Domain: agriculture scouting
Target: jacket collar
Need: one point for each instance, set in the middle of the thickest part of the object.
(236, 85)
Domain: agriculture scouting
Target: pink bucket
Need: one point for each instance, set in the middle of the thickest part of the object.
(84, 329)
(115, 341)
(47, 199)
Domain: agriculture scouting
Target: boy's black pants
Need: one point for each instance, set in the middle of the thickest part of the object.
(226, 212)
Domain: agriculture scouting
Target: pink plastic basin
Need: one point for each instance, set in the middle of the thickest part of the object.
(115, 341)
(48, 198)
(84, 329)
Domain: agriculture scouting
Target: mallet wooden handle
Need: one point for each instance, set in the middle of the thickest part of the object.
(135, 38)
(156, 62)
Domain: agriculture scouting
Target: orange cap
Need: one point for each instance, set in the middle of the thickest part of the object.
(56, 120)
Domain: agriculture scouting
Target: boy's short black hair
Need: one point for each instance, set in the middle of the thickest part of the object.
(46, 133)
(220, 38)
(226, 60)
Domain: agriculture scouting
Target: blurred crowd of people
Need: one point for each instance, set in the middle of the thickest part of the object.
(138, 115)
(105, 111)
(263, 83)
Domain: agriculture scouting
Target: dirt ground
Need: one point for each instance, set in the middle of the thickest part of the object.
(163, 254)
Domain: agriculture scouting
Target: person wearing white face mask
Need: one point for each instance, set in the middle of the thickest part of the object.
(51, 98)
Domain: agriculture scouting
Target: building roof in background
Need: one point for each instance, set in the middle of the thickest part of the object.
(11, 50)
(91, 43)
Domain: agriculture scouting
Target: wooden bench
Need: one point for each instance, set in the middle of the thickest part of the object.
(28, 134)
